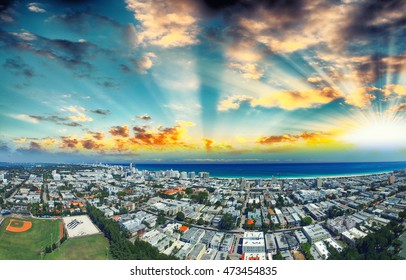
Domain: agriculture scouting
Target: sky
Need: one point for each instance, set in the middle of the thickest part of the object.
(202, 81)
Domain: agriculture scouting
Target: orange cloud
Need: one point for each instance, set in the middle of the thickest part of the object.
(210, 145)
(395, 89)
(69, 142)
(310, 138)
(97, 135)
(207, 144)
(122, 131)
(399, 108)
(91, 144)
(360, 97)
(158, 137)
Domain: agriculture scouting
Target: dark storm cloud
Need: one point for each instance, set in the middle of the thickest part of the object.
(376, 19)
(100, 112)
(18, 67)
(72, 55)
(84, 21)
(56, 120)
(230, 8)
(108, 84)
(35, 146)
(124, 68)
(4, 147)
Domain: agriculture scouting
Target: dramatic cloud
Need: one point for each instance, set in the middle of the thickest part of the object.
(395, 89)
(399, 108)
(122, 131)
(72, 55)
(208, 144)
(211, 146)
(244, 59)
(288, 100)
(306, 137)
(166, 24)
(361, 97)
(69, 142)
(91, 144)
(161, 136)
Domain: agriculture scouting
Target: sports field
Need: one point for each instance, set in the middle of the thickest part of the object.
(22, 239)
(93, 247)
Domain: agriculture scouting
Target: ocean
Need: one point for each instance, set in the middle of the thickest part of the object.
(281, 170)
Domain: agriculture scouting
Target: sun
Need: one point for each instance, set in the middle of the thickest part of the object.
(377, 133)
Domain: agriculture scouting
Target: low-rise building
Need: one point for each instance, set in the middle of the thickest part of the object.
(315, 233)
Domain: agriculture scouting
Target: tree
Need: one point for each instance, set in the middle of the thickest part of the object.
(305, 248)
(201, 197)
(161, 219)
(307, 221)
(226, 222)
(278, 256)
(211, 189)
(200, 222)
(180, 216)
(189, 191)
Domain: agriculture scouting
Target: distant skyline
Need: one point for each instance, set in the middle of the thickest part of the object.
(193, 81)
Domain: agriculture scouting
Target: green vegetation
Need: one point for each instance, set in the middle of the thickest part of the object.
(305, 248)
(94, 247)
(120, 247)
(226, 222)
(383, 244)
(200, 197)
(28, 245)
(334, 211)
(278, 256)
(180, 216)
(307, 221)
(161, 219)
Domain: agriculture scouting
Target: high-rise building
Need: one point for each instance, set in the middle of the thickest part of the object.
(183, 175)
(192, 175)
(319, 182)
(204, 175)
(391, 179)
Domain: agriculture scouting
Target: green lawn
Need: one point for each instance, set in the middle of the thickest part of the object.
(93, 247)
(27, 245)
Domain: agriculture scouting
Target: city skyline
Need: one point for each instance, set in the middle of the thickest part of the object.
(202, 81)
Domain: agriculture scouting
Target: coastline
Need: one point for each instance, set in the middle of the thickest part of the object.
(282, 171)
(310, 176)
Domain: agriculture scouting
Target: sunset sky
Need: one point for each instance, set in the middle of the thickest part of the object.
(202, 81)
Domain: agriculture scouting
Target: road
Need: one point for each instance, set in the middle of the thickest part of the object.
(44, 194)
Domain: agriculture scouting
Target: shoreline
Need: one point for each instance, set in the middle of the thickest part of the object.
(310, 176)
